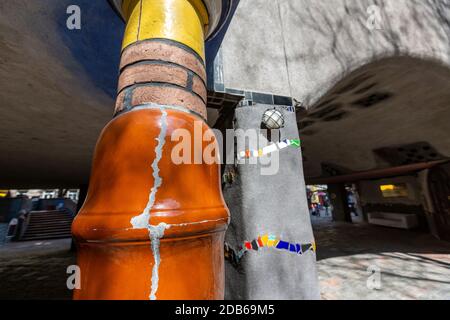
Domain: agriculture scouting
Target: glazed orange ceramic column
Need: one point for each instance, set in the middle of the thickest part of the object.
(152, 229)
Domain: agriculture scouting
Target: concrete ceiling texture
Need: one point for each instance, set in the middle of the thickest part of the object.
(58, 89)
(390, 112)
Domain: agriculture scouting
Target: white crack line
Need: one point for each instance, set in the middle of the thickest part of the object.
(156, 233)
(142, 221)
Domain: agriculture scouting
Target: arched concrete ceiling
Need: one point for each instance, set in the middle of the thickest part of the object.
(392, 103)
(58, 88)
(58, 85)
(302, 48)
(57, 91)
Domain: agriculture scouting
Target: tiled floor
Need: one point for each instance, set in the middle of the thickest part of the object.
(35, 270)
(413, 265)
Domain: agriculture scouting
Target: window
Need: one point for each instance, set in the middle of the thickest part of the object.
(394, 190)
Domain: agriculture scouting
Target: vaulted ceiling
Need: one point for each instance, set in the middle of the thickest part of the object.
(391, 112)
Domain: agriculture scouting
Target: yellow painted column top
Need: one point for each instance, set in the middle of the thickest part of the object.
(184, 21)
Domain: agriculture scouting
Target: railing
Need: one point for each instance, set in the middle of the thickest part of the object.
(17, 226)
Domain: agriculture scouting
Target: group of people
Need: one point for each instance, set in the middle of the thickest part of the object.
(317, 208)
(320, 203)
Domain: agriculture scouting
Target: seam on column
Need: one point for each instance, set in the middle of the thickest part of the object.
(163, 85)
(140, 20)
(172, 42)
(151, 105)
(162, 63)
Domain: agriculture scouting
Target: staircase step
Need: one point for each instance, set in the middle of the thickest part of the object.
(51, 224)
(34, 228)
(48, 224)
(47, 235)
(49, 214)
(39, 216)
(64, 214)
(41, 237)
(51, 217)
(47, 231)
(63, 236)
(50, 220)
(43, 225)
(49, 228)
(49, 211)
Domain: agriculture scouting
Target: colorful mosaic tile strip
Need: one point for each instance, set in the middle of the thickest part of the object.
(269, 149)
(271, 241)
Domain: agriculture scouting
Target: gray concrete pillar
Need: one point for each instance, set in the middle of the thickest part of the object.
(338, 197)
(269, 205)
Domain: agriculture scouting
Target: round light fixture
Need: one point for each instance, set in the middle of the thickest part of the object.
(273, 119)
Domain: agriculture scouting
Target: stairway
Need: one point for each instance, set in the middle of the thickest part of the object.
(53, 224)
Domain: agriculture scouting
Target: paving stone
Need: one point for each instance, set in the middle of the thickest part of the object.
(413, 265)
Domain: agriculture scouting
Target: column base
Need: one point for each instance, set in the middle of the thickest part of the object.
(150, 228)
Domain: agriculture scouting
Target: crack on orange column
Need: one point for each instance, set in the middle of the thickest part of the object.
(142, 221)
(156, 233)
